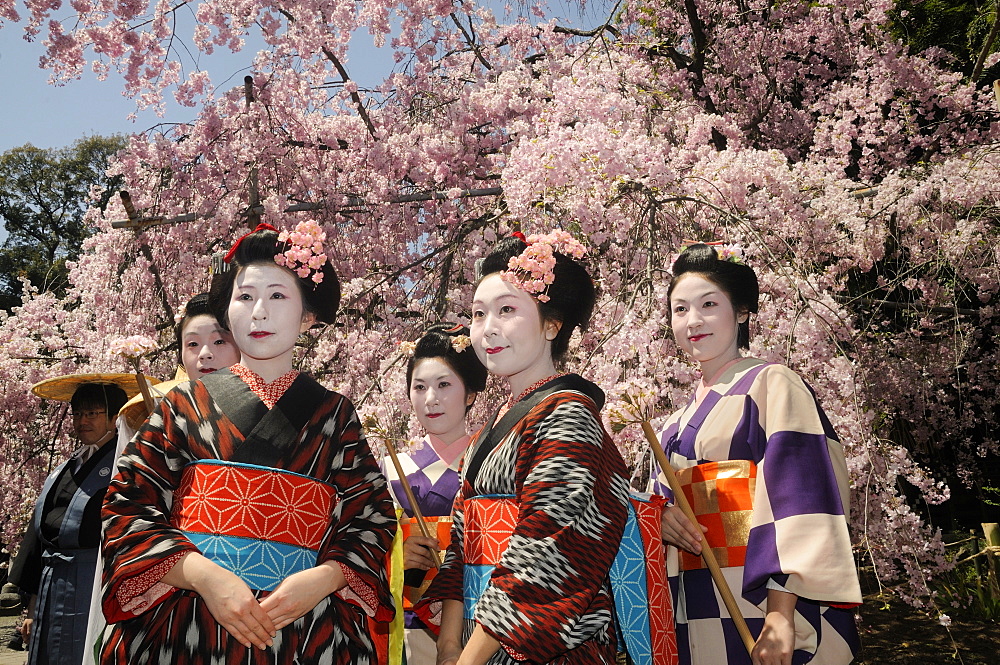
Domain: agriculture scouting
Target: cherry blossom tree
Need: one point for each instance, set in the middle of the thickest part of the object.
(860, 177)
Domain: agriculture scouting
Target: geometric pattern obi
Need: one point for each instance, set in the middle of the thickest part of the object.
(440, 528)
(638, 578)
(721, 496)
(489, 524)
(638, 574)
(263, 524)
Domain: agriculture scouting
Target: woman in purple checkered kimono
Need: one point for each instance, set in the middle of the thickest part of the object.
(443, 377)
(769, 485)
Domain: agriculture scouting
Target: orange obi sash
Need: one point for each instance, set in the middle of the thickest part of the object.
(721, 496)
(440, 528)
(263, 524)
(637, 576)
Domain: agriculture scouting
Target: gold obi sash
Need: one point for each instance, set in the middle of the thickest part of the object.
(721, 495)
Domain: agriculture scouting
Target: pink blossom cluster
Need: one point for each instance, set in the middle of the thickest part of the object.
(305, 250)
(133, 346)
(533, 270)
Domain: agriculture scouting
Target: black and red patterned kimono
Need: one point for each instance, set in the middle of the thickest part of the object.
(537, 525)
(264, 490)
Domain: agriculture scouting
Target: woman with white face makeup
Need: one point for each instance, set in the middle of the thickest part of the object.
(543, 479)
(753, 442)
(204, 344)
(443, 376)
(265, 520)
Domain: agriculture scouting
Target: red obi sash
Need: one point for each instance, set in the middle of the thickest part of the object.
(721, 496)
(264, 524)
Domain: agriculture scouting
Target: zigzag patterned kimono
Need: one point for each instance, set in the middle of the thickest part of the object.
(297, 485)
(548, 599)
(766, 474)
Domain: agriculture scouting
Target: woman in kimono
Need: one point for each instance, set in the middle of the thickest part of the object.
(542, 506)
(249, 521)
(203, 346)
(443, 377)
(769, 484)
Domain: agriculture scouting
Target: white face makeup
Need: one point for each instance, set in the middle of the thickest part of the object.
(704, 322)
(266, 316)
(508, 333)
(439, 399)
(206, 346)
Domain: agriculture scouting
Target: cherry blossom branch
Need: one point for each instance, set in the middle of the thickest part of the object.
(362, 111)
(471, 41)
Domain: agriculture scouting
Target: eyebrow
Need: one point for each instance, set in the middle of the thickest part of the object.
(500, 297)
(713, 292)
(269, 286)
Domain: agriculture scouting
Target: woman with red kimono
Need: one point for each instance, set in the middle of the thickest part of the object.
(249, 521)
(543, 503)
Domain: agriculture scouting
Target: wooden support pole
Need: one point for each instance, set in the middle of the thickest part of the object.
(707, 554)
(424, 531)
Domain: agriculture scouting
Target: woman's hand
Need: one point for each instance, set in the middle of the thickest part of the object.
(448, 654)
(777, 639)
(417, 552)
(299, 593)
(677, 529)
(234, 606)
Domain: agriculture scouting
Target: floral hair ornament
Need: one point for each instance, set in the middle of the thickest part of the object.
(458, 342)
(304, 254)
(729, 252)
(533, 270)
(407, 348)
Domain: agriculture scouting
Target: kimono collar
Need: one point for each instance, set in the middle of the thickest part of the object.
(449, 452)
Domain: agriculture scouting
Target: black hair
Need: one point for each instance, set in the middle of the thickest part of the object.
(197, 306)
(107, 396)
(571, 295)
(436, 343)
(738, 280)
(260, 247)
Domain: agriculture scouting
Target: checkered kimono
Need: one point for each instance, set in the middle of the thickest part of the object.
(767, 476)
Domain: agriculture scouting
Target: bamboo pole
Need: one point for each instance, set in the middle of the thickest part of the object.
(424, 531)
(706, 552)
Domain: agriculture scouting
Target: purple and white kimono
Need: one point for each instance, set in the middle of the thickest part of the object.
(761, 431)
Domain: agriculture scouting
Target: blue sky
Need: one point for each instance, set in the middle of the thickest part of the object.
(48, 116)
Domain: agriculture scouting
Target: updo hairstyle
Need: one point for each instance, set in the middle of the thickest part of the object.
(197, 306)
(737, 280)
(260, 247)
(436, 343)
(571, 295)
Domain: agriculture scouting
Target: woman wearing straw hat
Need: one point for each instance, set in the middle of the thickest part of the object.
(56, 561)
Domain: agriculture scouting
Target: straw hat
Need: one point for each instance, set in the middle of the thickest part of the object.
(63, 387)
(134, 410)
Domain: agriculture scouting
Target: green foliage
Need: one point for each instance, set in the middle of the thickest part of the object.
(960, 27)
(971, 585)
(44, 194)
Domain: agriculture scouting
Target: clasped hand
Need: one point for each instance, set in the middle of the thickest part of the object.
(235, 607)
